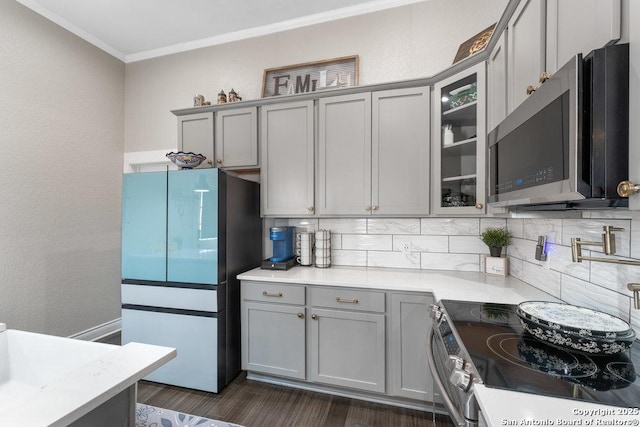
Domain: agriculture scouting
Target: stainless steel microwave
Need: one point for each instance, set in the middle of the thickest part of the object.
(567, 145)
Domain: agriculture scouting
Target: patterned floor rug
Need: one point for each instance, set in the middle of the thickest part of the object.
(150, 416)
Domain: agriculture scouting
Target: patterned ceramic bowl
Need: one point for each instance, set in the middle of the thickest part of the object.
(186, 160)
(567, 339)
(577, 320)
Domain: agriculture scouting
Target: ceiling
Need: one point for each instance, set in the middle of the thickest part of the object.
(133, 30)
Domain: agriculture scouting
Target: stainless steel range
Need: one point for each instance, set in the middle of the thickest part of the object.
(474, 342)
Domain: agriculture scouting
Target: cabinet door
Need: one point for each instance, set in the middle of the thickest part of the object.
(195, 134)
(410, 322)
(236, 143)
(144, 226)
(192, 226)
(526, 56)
(579, 26)
(348, 349)
(459, 159)
(497, 83)
(273, 339)
(400, 152)
(344, 155)
(286, 147)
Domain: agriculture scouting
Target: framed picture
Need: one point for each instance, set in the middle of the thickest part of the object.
(475, 44)
(310, 77)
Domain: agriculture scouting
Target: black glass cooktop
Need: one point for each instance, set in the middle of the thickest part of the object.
(507, 357)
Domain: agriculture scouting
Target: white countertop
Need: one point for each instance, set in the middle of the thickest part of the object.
(499, 407)
(87, 387)
(467, 286)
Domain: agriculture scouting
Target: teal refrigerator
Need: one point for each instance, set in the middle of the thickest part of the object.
(186, 235)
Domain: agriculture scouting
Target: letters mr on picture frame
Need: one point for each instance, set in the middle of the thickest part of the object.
(310, 77)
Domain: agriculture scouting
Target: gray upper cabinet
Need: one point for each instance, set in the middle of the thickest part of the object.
(287, 159)
(373, 153)
(236, 142)
(459, 143)
(543, 35)
(344, 155)
(195, 134)
(497, 83)
(526, 56)
(579, 26)
(400, 152)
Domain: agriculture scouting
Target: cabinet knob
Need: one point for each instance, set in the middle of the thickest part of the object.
(301, 315)
(531, 89)
(310, 209)
(374, 208)
(627, 189)
(367, 208)
(209, 162)
(479, 206)
(314, 316)
(544, 77)
(219, 161)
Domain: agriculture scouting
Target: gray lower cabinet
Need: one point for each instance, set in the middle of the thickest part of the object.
(410, 323)
(364, 340)
(273, 329)
(348, 349)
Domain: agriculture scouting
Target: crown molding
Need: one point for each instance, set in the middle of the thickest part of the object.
(318, 18)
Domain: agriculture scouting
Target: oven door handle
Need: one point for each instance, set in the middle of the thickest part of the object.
(456, 415)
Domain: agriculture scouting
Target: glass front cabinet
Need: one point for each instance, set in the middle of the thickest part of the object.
(459, 143)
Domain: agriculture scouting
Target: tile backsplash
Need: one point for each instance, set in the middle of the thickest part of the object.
(454, 244)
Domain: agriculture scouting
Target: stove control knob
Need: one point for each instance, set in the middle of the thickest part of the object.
(460, 379)
(436, 312)
(455, 362)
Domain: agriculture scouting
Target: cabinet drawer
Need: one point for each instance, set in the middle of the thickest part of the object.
(273, 292)
(167, 296)
(350, 299)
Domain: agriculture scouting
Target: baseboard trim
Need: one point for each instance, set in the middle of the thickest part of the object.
(99, 332)
(385, 400)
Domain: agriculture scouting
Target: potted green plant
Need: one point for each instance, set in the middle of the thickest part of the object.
(495, 238)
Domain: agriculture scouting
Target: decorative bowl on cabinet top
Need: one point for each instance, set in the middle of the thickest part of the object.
(186, 160)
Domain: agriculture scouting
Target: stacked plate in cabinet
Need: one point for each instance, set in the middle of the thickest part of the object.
(577, 328)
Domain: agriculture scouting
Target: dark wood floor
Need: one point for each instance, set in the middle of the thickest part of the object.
(255, 404)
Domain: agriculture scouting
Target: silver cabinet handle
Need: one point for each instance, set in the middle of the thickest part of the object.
(314, 316)
(349, 301)
(301, 315)
(267, 294)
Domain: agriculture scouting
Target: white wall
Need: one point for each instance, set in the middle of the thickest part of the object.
(62, 109)
(403, 43)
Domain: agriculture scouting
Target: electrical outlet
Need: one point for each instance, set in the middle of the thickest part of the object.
(406, 248)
